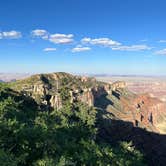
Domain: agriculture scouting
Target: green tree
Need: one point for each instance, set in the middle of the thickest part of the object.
(30, 136)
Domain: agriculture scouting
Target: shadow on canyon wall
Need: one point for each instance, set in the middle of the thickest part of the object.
(152, 145)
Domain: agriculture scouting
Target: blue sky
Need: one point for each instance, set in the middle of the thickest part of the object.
(83, 36)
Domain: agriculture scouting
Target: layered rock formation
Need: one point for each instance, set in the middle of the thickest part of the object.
(150, 112)
(118, 84)
(45, 89)
(142, 110)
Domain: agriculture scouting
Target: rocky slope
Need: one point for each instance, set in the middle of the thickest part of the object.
(142, 110)
(46, 89)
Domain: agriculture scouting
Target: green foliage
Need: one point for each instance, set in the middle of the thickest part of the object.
(29, 136)
(7, 159)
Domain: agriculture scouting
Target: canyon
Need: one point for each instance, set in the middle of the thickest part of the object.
(117, 98)
(153, 85)
(150, 97)
(121, 114)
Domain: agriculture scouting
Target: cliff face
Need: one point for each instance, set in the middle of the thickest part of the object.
(142, 110)
(151, 112)
(45, 89)
(118, 84)
(83, 95)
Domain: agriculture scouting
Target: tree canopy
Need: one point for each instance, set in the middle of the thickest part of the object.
(66, 137)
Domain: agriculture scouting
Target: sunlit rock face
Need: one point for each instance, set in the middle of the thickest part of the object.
(151, 112)
(84, 95)
(56, 101)
(118, 84)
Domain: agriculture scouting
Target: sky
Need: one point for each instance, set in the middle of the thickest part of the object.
(83, 36)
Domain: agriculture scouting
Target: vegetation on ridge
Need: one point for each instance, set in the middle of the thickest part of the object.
(30, 136)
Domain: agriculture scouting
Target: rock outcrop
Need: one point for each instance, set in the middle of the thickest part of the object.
(83, 95)
(55, 102)
(118, 84)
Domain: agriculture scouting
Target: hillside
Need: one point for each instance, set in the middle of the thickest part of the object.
(142, 110)
(106, 117)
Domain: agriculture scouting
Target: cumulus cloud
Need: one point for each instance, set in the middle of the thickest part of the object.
(61, 38)
(101, 41)
(56, 38)
(10, 35)
(132, 48)
(161, 52)
(49, 49)
(40, 33)
(115, 45)
(80, 48)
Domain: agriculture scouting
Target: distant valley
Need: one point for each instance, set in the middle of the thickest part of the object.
(8, 77)
(155, 86)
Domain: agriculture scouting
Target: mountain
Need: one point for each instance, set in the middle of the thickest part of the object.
(117, 114)
(142, 110)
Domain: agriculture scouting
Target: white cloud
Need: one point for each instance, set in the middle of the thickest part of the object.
(40, 33)
(101, 41)
(79, 48)
(132, 48)
(162, 41)
(56, 38)
(115, 45)
(10, 35)
(61, 38)
(161, 52)
(49, 49)
(86, 40)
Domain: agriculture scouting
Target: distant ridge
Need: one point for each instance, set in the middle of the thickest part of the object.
(10, 77)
